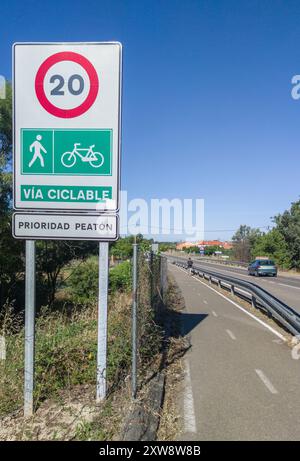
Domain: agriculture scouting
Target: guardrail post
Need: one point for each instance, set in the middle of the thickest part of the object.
(219, 283)
(253, 302)
(232, 290)
(209, 279)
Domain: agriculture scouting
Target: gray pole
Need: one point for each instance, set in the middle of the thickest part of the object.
(151, 278)
(134, 321)
(29, 327)
(102, 321)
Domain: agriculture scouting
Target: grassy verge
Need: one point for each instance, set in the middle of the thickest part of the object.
(65, 350)
(66, 346)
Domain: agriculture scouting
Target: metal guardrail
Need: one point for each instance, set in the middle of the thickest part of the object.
(225, 262)
(257, 296)
(212, 260)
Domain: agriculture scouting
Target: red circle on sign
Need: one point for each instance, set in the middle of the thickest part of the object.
(39, 84)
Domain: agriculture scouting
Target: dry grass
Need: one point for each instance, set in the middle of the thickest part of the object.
(66, 347)
(170, 420)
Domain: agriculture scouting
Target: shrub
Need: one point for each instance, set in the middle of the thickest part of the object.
(120, 277)
(82, 285)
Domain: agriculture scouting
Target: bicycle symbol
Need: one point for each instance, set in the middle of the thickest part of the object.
(95, 159)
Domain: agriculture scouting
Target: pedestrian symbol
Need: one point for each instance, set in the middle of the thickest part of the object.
(66, 152)
(37, 147)
(36, 152)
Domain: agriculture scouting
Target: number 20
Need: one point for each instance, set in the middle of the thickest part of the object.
(58, 91)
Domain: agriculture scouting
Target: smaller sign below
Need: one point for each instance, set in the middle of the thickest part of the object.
(66, 226)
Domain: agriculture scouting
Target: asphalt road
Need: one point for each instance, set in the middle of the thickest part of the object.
(241, 380)
(284, 287)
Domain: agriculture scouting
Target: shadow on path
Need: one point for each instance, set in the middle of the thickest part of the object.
(190, 321)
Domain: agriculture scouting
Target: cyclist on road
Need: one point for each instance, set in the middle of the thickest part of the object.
(190, 266)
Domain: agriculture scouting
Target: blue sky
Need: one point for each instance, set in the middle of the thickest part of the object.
(207, 107)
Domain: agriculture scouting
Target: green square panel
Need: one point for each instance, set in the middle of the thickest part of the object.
(37, 151)
(82, 152)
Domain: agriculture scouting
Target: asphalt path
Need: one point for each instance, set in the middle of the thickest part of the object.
(242, 382)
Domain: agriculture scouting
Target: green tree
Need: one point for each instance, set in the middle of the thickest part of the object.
(210, 250)
(52, 256)
(273, 245)
(243, 241)
(122, 248)
(11, 251)
(193, 249)
(166, 246)
(288, 224)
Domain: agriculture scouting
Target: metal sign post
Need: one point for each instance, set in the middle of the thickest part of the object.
(102, 321)
(29, 327)
(134, 321)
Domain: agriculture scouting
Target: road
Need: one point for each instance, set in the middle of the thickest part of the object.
(285, 288)
(241, 380)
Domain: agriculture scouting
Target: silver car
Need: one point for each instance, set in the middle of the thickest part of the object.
(262, 267)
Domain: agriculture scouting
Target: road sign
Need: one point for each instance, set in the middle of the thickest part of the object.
(67, 126)
(66, 226)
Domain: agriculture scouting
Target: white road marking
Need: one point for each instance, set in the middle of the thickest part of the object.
(214, 314)
(268, 327)
(188, 402)
(246, 312)
(277, 341)
(290, 286)
(266, 382)
(231, 334)
(205, 302)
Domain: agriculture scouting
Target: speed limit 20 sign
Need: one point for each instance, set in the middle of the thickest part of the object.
(67, 126)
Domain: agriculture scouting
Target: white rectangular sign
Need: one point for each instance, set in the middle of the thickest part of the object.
(65, 226)
(67, 99)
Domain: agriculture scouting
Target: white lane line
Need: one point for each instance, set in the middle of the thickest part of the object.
(214, 314)
(268, 327)
(231, 334)
(266, 382)
(277, 341)
(205, 302)
(188, 402)
(290, 286)
(244, 310)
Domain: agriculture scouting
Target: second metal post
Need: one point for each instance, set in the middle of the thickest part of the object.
(29, 327)
(134, 319)
(102, 321)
